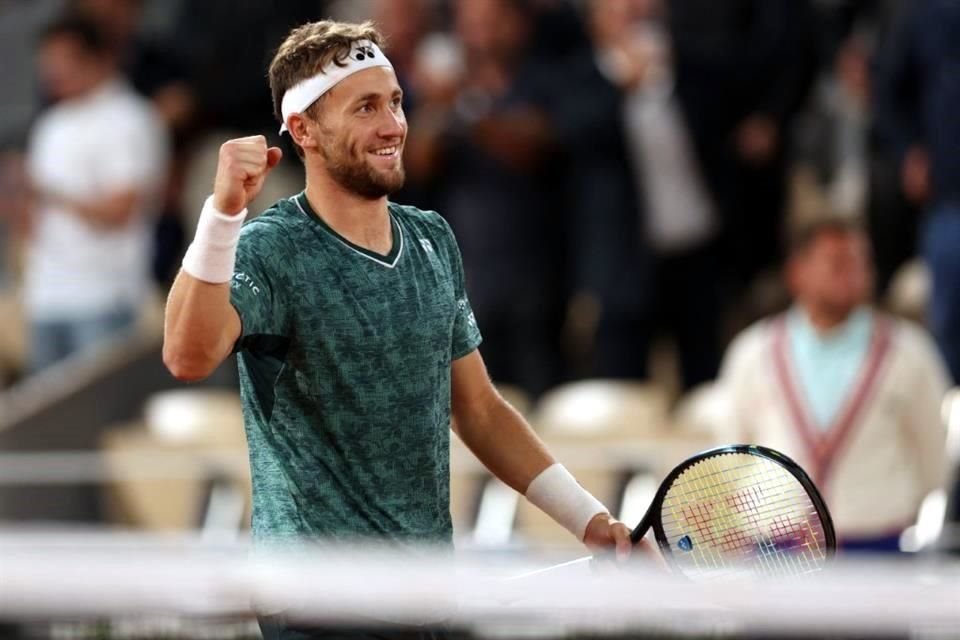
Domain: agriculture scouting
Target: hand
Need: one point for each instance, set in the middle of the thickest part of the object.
(605, 531)
(757, 139)
(243, 166)
(915, 175)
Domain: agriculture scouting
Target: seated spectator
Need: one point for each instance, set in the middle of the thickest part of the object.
(851, 394)
(96, 162)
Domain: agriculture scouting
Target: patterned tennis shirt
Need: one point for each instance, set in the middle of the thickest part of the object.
(344, 361)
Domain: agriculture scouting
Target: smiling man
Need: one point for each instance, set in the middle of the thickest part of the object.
(357, 345)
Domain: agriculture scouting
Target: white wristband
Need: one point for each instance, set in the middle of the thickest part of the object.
(560, 496)
(212, 254)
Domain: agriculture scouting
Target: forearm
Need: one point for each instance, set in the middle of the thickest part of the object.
(113, 211)
(200, 327)
(503, 441)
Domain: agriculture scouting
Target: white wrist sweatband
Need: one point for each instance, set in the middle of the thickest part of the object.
(560, 496)
(212, 254)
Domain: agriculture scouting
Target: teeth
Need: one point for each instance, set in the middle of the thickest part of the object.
(388, 151)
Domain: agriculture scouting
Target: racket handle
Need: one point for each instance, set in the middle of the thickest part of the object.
(641, 529)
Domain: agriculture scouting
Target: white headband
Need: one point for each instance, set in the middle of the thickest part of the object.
(363, 55)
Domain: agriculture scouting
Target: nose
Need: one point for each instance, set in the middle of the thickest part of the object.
(393, 125)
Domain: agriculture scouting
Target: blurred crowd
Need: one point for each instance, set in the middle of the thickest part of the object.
(621, 174)
(626, 178)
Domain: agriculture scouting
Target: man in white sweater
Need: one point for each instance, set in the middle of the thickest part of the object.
(852, 394)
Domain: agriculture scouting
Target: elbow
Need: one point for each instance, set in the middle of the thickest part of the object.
(185, 367)
(116, 218)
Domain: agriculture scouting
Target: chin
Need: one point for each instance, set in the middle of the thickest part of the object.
(392, 181)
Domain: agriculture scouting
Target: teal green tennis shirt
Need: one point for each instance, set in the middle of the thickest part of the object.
(344, 361)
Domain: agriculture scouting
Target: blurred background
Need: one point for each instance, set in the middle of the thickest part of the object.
(622, 176)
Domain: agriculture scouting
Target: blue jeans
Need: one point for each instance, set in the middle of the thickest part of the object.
(54, 340)
(941, 251)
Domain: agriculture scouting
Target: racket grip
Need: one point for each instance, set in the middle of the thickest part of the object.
(641, 529)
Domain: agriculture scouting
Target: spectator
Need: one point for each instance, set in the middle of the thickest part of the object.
(851, 394)
(676, 214)
(96, 161)
(743, 68)
(151, 66)
(483, 139)
(917, 97)
(857, 169)
(156, 72)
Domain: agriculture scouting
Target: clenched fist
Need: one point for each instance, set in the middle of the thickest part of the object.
(244, 164)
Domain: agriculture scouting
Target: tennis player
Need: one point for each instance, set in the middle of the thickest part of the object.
(357, 345)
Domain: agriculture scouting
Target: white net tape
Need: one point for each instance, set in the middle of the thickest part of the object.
(121, 576)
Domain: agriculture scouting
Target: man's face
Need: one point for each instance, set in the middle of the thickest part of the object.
(833, 273)
(362, 130)
(67, 69)
(119, 18)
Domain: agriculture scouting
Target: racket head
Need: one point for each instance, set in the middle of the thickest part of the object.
(741, 511)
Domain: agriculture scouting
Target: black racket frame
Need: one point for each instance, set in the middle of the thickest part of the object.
(652, 519)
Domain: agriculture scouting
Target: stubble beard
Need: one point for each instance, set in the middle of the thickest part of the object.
(354, 174)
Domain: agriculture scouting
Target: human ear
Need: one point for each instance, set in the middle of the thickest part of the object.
(303, 134)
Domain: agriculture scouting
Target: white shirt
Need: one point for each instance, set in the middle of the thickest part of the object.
(85, 149)
(678, 212)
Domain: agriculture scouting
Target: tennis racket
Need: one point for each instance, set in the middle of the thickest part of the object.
(739, 511)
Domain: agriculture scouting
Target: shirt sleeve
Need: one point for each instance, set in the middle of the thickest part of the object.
(256, 289)
(466, 333)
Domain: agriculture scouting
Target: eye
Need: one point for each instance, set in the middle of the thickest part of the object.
(396, 103)
(365, 108)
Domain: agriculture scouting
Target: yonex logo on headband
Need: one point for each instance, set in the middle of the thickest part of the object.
(363, 55)
(363, 51)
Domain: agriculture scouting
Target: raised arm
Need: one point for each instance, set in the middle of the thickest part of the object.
(201, 326)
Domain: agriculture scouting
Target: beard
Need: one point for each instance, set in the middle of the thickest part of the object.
(355, 175)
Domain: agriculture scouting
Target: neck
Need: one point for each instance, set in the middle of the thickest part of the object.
(363, 222)
(826, 320)
(99, 83)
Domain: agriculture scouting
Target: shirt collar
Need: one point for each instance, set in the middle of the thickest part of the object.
(857, 326)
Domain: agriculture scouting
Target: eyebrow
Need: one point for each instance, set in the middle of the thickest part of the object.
(374, 96)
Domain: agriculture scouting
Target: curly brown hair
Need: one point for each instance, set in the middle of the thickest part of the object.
(307, 49)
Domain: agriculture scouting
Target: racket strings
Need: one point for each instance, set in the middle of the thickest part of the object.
(769, 530)
(742, 513)
(774, 528)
